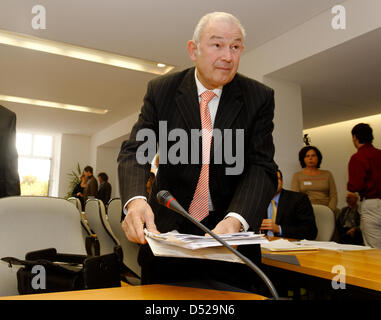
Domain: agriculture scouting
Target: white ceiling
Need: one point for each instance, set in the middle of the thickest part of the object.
(339, 84)
(152, 29)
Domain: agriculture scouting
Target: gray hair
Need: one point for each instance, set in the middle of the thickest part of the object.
(221, 16)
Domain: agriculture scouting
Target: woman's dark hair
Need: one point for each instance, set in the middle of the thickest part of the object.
(363, 132)
(104, 176)
(303, 152)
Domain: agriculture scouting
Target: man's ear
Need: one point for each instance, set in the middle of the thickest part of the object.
(192, 50)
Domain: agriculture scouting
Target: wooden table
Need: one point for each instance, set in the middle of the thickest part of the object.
(362, 268)
(147, 292)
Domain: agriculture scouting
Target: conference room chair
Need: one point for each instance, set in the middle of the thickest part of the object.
(85, 227)
(325, 222)
(97, 221)
(130, 249)
(76, 202)
(29, 223)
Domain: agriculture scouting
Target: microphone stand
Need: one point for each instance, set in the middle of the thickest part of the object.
(161, 197)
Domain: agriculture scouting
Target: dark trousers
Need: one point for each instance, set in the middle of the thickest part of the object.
(171, 270)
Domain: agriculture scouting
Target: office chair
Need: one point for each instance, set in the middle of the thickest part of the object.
(30, 223)
(325, 222)
(130, 249)
(97, 220)
(76, 202)
(85, 227)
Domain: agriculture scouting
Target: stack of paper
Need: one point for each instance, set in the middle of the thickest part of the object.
(174, 244)
(193, 242)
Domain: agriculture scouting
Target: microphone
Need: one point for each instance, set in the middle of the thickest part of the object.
(166, 199)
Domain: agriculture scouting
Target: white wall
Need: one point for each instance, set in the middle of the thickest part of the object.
(288, 126)
(74, 149)
(335, 143)
(107, 162)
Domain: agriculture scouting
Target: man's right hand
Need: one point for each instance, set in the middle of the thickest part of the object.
(139, 214)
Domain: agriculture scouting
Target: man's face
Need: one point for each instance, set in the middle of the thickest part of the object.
(87, 173)
(218, 53)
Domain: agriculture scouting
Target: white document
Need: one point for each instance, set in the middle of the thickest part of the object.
(331, 245)
(285, 245)
(174, 244)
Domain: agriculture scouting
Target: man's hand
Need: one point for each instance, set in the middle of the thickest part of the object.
(268, 224)
(139, 213)
(228, 225)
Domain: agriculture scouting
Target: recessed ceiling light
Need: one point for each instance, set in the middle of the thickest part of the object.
(50, 104)
(77, 52)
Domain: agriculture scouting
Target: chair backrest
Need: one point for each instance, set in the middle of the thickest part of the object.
(325, 222)
(130, 249)
(85, 227)
(34, 223)
(98, 222)
(76, 202)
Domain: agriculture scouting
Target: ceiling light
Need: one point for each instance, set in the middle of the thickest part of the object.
(50, 104)
(68, 50)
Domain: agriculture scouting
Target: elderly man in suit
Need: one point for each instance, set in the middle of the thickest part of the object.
(290, 214)
(210, 96)
(9, 176)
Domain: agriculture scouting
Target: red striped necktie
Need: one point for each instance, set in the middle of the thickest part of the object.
(199, 207)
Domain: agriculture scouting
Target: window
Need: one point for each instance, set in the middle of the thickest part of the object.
(35, 159)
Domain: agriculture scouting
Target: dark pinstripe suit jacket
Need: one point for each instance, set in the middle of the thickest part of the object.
(244, 104)
(9, 176)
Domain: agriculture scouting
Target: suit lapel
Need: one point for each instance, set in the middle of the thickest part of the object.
(187, 101)
(228, 109)
(230, 105)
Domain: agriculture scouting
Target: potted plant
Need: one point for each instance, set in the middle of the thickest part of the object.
(74, 178)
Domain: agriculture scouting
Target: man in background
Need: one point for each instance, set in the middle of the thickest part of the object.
(364, 173)
(104, 192)
(91, 188)
(290, 214)
(9, 176)
(348, 222)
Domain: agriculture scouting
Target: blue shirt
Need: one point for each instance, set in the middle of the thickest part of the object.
(270, 213)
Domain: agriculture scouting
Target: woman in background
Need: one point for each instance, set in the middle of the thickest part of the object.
(318, 184)
(78, 190)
